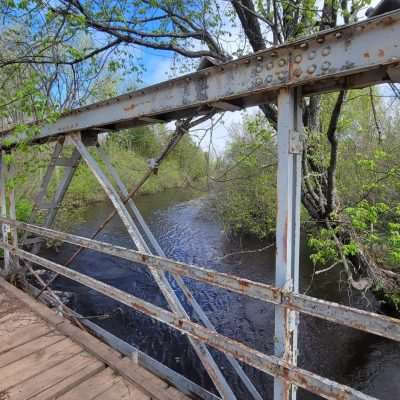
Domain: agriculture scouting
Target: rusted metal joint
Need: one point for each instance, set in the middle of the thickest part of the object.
(153, 165)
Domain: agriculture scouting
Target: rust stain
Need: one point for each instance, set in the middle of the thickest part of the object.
(381, 53)
(388, 21)
(243, 284)
(129, 108)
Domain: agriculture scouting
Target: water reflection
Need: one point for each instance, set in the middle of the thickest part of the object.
(188, 230)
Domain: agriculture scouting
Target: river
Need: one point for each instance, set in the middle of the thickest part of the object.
(188, 230)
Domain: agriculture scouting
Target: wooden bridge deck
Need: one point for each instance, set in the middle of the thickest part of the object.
(43, 356)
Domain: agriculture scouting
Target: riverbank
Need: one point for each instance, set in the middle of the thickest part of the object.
(129, 153)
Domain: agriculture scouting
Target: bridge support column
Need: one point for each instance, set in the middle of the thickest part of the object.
(288, 229)
(3, 198)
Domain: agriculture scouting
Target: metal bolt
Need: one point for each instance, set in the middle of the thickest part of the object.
(270, 65)
(326, 51)
(259, 81)
(258, 68)
(304, 45)
(274, 54)
(338, 35)
(281, 76)
(297, 72)
(259, 58)
(269, 78)
(312, 55)
(321, 39)
(325, 65)
(298, 58)
(282, 62)
(311, 69)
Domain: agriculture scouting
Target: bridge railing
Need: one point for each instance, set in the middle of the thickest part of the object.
(355, 318)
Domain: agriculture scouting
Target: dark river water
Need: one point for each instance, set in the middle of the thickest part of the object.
(188, 230)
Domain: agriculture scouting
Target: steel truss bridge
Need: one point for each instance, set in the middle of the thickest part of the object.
(353, 56)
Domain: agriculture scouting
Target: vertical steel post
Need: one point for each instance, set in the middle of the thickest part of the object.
(290, 131)
(3, 197)
(12, 212)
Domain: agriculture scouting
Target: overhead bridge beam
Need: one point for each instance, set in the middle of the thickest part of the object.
(356, 55)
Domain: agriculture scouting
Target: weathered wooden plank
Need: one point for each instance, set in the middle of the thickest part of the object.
(91, 388)
(176, 393)
(7, 304)
(29, 348)
(57, 380)
(152, 385)
(19, 328)
(35, 363)
(124, 391)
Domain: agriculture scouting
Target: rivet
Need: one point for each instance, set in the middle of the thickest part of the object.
(282, 62)
(312, 55)
(325, 65)
(274, 54)
(338, 35)
(298, 58)
(326, 51)
(321, 39)
(270, 65)
(259, 58)
(281, 76)
(269, 78)
(258, 68)
(247, 61)
(304, 45)
(259, 81)
(359, 28)
(311, 69)
(188, 79)
(297, 72)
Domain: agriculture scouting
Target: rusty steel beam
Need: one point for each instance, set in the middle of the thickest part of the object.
(358, 319)
(351, 56)
(269, 364)
(290, 134)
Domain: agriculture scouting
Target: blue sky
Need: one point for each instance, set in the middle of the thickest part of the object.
(157, 67)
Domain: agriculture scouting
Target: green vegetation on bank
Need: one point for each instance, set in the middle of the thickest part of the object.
(366, 222)
(129, 153)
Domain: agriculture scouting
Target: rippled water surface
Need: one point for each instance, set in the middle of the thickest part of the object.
(188, 230)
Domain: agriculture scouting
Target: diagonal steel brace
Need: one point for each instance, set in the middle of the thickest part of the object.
(163, 283)
(159, 251)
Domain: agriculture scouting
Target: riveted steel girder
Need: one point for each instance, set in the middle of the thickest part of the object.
(355, 55)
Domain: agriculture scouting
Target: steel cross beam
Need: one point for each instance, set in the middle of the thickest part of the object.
(355, 55)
